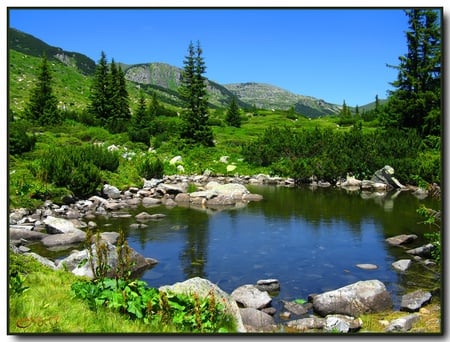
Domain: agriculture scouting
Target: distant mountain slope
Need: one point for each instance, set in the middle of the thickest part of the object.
(30, 45)
(268, 96)
(167, 76)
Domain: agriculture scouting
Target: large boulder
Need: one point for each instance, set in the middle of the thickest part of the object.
(386, 176)
(249, 296)
(233, 190)
(204, 288)
(79, 262)
(57, 225)
(353, 300)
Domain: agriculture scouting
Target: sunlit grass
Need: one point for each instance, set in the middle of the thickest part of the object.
(49, 307)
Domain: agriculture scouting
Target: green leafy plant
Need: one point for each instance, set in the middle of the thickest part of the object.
(300, 301)
(16, 284)
(138, 301)
(433, 219)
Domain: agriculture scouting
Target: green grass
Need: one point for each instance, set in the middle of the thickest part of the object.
(48, 306)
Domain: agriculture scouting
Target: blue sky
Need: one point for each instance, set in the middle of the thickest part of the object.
(332, 54)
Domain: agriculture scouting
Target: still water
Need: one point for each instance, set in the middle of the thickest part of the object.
(310, 240)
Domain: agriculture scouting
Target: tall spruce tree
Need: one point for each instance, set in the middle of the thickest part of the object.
(109, 100)
(194, 128)
(233, 117)
(138, 130)
(416, 101)
(43, 105)
(99, 106)
(119, 115)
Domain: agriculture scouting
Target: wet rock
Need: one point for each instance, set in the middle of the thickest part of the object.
(143, 216)
(401, 239)
(367, 266)
(402, 265)
(250, 297)
(422, 251)
(295, 308)
(269, 285)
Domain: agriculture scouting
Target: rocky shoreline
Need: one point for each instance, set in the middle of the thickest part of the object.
(62, 226)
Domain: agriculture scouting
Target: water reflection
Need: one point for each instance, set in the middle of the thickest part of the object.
(194, 255)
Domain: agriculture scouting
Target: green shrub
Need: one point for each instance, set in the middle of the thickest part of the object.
(84, 179)
(75, 167)
(328, 154)
(19, 141)
(150, 166)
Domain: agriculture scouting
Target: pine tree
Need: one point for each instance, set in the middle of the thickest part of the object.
(345, 115)
(233, 117)
(195, 129)
(119, 115)
(100, 95)
(43, 105)
(416, 101)
(138, 130)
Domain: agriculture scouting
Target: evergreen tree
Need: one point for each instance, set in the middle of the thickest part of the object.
(43, 105)
(416, 101)
(233, 117)
(100, 95)
(345, 115)
(119, 115)
(195, 127)
(138, 130)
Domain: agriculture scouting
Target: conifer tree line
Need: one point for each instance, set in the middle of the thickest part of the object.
(109, 101)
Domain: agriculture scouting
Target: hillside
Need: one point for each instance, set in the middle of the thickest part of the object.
(271, 97)
(29, 45)
(73, 72)
(165, 76)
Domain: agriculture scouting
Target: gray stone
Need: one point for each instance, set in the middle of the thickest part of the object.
(111, 191)
(256, 318)
(19, 233)
(56, 225)
(250, 297)
(402, 265)
(354, 299)
(308, 323)
(204, 288)
(74, 237)
(422, 251)
(342, 323)
(295, 308)
(42, 260)
(269, 285)
(401, 239)
(413, 301)
(403, 324)
(367, 266)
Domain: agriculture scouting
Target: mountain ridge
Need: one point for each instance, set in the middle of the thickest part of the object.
(167, 78)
